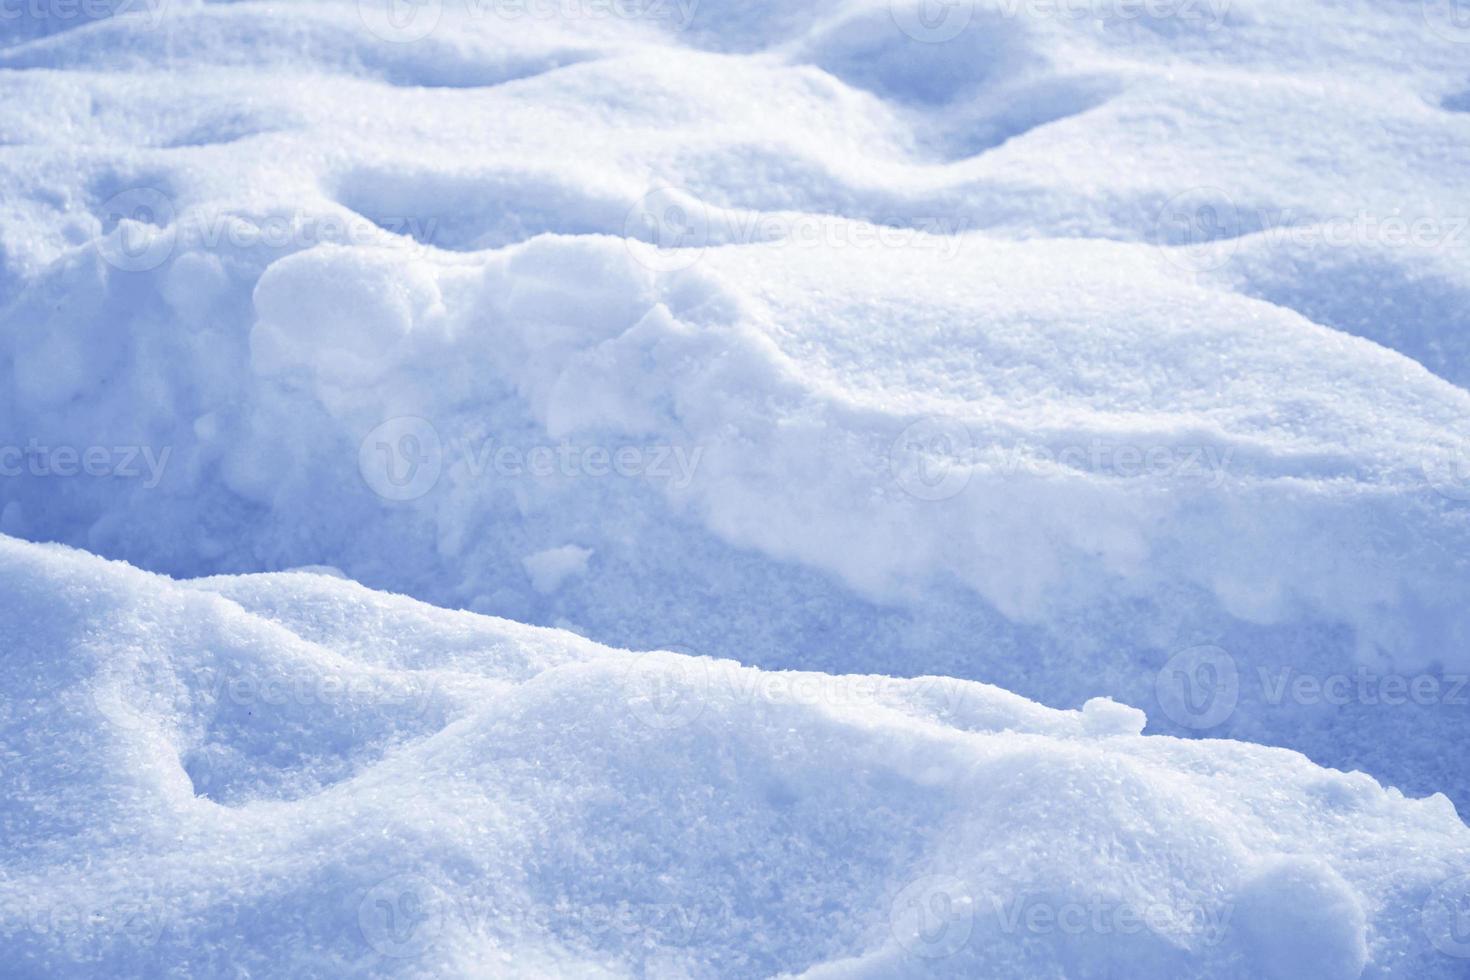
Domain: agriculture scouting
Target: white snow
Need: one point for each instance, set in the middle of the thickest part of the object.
(550, 568)
(289, 775)
(1110, 353)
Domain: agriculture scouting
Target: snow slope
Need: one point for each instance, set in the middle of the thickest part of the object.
(1016, 344)
(290, 775)
(1090, 350)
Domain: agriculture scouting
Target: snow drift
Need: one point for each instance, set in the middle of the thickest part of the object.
(290, 775)
(1109, 353)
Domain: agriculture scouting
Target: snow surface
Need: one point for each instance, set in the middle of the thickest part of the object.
(1113, 353)
(291, 775)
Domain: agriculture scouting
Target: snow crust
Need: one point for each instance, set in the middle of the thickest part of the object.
(291, 775)
(1113, 354)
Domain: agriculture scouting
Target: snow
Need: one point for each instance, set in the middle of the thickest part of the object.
(1110, 353)
(289, 775)
(549, 569)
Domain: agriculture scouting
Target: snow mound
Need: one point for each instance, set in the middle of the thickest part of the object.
(1109, 353)
(292, 775)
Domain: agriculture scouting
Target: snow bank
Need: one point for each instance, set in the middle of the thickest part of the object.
(292, 775)
(1113, 355)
